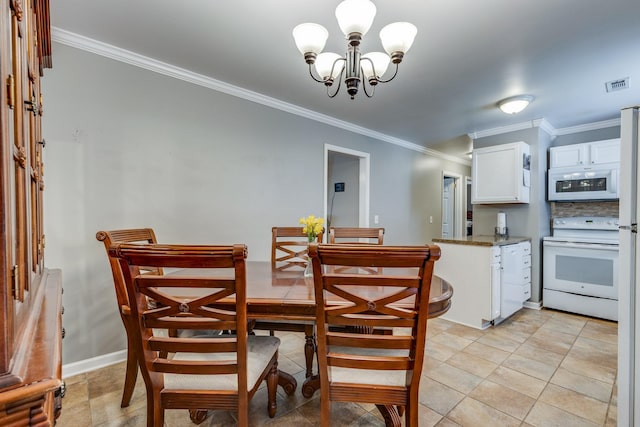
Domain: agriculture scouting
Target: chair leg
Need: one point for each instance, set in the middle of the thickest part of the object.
(325, 411)
(155, 411)
(272, 387)
(130, 376)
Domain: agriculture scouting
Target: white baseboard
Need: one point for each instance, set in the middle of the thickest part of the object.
(533, 305)
(82, 366)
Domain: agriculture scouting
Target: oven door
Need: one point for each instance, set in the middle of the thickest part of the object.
(581, 268)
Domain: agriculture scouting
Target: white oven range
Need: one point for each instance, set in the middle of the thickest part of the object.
(580, 266)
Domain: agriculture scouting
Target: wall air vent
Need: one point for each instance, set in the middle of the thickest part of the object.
(618, 84)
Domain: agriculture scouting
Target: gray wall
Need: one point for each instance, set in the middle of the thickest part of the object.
(587, 136)
(127, 147)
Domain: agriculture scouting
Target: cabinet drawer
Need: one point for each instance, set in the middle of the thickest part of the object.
(526, 276)
(526, 292)
(526, 261)
(526, 248)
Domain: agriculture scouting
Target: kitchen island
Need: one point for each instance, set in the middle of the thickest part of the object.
(491, 276)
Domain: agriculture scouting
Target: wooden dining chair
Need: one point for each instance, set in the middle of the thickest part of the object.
(365, 367)
(201, 373)
(141, 236)
(289, 247)
(356, 235)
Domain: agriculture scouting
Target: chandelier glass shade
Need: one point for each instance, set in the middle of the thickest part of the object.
(354, 18)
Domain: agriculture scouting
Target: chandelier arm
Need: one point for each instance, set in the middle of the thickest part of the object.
(392, 77)
(364, 88)
(337, 87)
(314, 77)
(333, 66)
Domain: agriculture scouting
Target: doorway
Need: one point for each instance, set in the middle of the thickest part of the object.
(453, 214)
(346, 187)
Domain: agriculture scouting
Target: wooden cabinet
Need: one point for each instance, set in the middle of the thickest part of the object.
(589, 153)
(30, 321)
(501, 174)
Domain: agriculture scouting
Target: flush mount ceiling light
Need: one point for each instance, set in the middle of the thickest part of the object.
(515, 104)
(354, 18)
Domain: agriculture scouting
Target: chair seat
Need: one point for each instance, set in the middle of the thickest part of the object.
(260, 352)
(368, 376)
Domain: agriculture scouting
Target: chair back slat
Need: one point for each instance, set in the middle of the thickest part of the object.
(288, 253)
(202, 345)
(208, 367)
(356, 235)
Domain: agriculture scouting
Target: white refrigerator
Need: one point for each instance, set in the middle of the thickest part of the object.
(629, 295)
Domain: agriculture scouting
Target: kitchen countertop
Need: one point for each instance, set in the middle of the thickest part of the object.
(483, 240)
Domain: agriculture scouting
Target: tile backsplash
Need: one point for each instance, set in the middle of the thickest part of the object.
(593, 208)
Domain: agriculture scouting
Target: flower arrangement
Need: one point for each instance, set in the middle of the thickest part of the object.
(312, 226)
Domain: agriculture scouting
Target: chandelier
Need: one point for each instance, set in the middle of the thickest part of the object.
(354, 18)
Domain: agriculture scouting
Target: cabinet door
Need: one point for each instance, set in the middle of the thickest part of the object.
(604, 151)
(568, 155)
(501, 174)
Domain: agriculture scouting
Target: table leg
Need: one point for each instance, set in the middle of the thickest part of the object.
(310, 386)
(287, 382)
(309, 348)
(390, 415)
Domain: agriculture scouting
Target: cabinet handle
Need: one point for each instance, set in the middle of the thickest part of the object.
(63, 333)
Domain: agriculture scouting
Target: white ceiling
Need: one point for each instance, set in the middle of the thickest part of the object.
(468, 55)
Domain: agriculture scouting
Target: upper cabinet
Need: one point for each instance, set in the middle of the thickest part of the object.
(590, 153)
(501, 174)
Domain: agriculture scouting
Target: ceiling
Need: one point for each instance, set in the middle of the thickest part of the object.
(467, 55)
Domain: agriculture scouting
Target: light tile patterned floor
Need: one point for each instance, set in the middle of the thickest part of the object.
(538, 368)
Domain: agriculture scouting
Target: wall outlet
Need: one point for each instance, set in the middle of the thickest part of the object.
(376, 219)
(430, 219)
(338, 187)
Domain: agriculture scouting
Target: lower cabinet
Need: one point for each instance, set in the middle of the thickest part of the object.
(490, 281)
(30, 394)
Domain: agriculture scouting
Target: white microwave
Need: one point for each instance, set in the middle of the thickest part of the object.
(584, 183)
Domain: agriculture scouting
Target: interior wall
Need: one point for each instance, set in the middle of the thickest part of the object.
(343, 207)
(127, 148)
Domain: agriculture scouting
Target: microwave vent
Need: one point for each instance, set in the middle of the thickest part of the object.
(618, 84)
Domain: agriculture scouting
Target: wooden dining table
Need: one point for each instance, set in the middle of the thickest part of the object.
(286, 298)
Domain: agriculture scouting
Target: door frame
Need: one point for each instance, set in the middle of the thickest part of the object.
(363, 174)
(459, 214)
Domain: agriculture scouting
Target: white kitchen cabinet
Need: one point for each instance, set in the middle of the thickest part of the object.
(487, 287)
(501, 174)
(589, 153)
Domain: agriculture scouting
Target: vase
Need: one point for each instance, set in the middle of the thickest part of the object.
(308, 271)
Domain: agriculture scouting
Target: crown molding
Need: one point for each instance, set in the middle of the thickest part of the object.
(109, 51)
(537, 123)
(589, 126)
(547, 127)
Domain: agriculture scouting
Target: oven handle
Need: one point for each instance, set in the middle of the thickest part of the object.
(581, 245)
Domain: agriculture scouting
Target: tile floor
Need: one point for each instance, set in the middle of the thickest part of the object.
(538, 368)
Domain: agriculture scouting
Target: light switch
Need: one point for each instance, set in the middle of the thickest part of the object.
(376, 219)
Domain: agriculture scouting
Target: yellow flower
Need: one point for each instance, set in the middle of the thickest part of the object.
(312, 226)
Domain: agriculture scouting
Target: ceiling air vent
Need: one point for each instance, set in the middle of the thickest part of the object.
(618, 84)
